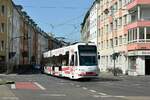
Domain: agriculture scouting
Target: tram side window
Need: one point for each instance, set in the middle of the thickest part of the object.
(65, 59)
(76, 59)
(72, 61)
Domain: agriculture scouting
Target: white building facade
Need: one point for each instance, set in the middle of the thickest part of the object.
(93, 27)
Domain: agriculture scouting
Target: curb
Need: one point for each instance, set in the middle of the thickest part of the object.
(3, 82)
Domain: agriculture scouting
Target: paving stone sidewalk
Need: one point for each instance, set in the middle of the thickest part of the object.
(5, 92)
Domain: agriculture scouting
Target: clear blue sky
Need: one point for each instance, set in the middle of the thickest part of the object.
(62, 17)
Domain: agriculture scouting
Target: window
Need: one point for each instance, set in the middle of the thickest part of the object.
(148, 33)
(72, 61)
(107, 44)
(3, 10)
(2, 45)
(125, 19)
(120, 3)
(120, 21)
(116, 41)
(107, 28)
(111, 42)
(135, 34)
(2, 27)
(120, 40)
(125, 38)
(116, 22)
(76, 59)
(128, 35)
(141, 33)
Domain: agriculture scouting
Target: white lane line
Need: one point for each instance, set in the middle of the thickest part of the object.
(77, 85)
(120, 96)
(13, 86)
(109, 96)
(96, 96)
(72, 83)
(84, 88)
(40, 86)
(92, 91)
(54, 95)
(102, 93)
(9, 98)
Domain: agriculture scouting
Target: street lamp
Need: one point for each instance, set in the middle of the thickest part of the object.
(12, 54)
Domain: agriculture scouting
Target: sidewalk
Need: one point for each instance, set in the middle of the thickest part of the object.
(108, 75)
(5, 92)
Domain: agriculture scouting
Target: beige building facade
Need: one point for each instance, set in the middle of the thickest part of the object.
(123, 38)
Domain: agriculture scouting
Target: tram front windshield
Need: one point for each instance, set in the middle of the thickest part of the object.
(87, 55)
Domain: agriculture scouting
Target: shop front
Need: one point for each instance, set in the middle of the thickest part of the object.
(139, 62)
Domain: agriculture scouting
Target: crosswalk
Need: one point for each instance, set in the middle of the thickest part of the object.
(27, 86)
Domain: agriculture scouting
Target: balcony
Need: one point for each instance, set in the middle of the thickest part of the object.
(138, 46)
(139, 23)
(137, 2)
(139, 17)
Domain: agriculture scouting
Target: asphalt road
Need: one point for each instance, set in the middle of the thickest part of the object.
(44, 87)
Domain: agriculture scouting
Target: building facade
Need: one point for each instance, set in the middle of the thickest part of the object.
(93, 22)
(5, 31)
(42, 45)
(85, 28)
(123, 37)
(22, 42)
(123, 34)
(89, 27)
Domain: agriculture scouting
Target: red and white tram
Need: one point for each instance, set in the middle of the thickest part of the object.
(75, 61)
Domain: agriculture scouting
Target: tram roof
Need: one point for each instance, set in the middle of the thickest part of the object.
(65, 49)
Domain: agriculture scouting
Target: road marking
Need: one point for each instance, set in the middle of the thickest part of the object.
(84, 88)
(102, 93)
(108, 96)
(40, 86)
(77, 85)
(54, 95)
(61, 83)
(9, 98)
(119, 96)
(137, 84)
(13, 86)
(96, 96)
(72, 83)
(92, 91)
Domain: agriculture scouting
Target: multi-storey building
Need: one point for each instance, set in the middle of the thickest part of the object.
(123, 38)
(139, 36)
(85, 28)
(42, 45)
(22, 42)
(89, 28)
(93, 22)
(5, 30)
